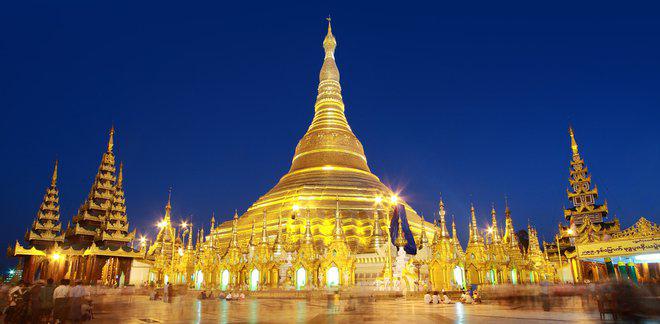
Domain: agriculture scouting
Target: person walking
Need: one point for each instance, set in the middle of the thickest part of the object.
(34, 304)
(60, 301)
(18, 304)
(46, 299)
(78, 295)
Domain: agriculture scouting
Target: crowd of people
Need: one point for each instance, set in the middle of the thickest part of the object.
(467, 297)
(221, 295)
(44, 302)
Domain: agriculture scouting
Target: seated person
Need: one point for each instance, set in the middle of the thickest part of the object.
(476, 297)
(427, 298)
(229, 297)
(202, 295)
(221, 295)
(445, 298)
(468, 299)
(242, 296)
(436, 298)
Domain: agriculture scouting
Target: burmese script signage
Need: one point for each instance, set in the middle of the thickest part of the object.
(619, 248)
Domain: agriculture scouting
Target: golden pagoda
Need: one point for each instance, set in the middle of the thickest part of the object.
(329, 164)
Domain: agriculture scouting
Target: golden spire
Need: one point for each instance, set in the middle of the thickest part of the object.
(423, 240)
(474, 229)
(53, 181)
(264, 233)
(443, 223)
(120, 177)
(338, 231)
(234, 231)
(574, 145)
(308, 230)
(400, 238)
(329, 140)
(453, 229)
(111, 140)
(377, 233)
(277, 245)
(251, 242)
(168, 207)
(494, 229)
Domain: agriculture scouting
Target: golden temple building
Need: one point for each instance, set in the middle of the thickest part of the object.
(96, 247)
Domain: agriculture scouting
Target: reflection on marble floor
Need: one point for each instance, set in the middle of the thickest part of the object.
(138, 309)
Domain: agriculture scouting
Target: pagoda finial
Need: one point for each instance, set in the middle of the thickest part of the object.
(574, 146)
(264, 233)
(251, 242)
(111, 143)
(308, 229)
(235, 213)
(212, 221)
(169, 198)
(120, 177)
(475, 232)
(423, 240)
(168, 207)
(443, 223)
(507, 211)
(53, 181)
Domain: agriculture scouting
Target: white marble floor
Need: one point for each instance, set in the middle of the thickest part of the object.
(138, 309)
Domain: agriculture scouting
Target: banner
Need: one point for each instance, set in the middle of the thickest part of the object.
(619, 248)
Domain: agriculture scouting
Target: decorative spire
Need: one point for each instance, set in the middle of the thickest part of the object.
(308, 230)
(443, 224)
(111, 142)
(46, 228)
(212, 221)
(264, 233)
(251, 242)
(168, 207)
(338, 231)
(494, 229)
(400, 241)
(278, 246)
(234, 231)
(474, 229)
(377, 233)
(53, 181)
(574, 146)
(423, 240)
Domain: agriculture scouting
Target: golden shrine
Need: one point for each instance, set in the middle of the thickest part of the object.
(95, 248)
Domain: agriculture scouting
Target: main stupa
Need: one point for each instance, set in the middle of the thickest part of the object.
(328, 165)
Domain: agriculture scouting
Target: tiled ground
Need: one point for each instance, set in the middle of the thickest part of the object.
(138, 309)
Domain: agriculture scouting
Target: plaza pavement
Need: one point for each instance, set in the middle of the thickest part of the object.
(186, 309)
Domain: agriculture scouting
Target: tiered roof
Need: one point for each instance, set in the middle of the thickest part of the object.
(46, 229)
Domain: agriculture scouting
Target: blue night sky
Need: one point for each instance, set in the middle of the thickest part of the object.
(473, 102)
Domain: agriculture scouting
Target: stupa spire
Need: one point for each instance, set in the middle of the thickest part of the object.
(377, 232)
(234, 231)
(423, 240)
(53, 180)
(308, 229)
(111, 141)
(264, 232)
(574, 146)
(474, 229)
(443, 224)
(494, 229)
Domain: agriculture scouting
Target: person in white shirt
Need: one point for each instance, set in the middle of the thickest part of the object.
(77, 295)
(228, 296)
(427, 298)
(436, 298)
(60, 299)
(468, 298)
(445, 298)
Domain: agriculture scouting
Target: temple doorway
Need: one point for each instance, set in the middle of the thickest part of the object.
(224, 281)
(458, 277)
(332, 276)
(254, 280)
(199, 279)
(301, 278)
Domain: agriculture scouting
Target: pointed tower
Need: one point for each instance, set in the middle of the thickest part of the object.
(581, 194)
(400, 241)
(377, 239)
(338, 231)
(474, 231)
(329, 162)
(494, 230)
(88, 223)
(443, 224)
(166, 241)
(46, 229)
(457, 249)
(115, 229)
(423, 240)
(278, 244)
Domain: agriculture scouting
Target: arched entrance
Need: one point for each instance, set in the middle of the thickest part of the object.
(254, 279)
(224, 281)
(199, 279)
(458, 277)
(301, 278)
(332, 276)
